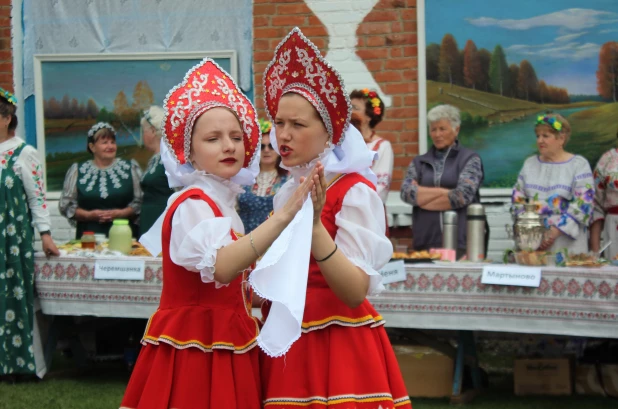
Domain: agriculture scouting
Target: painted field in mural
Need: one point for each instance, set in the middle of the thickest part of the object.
(502, 65)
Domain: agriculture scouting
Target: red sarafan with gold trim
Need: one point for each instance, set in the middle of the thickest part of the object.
(299, 67)
(204, 87)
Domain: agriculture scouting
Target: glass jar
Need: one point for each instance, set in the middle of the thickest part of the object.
(120, 236)
(88, 240)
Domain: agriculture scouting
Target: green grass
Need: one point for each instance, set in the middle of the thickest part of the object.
(600, 131)
(104, 385)
(501, 108)
(495, 101)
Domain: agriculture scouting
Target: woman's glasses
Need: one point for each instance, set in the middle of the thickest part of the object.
(270, 146)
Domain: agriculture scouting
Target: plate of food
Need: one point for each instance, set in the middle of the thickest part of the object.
(422, 256)
(532, 258)
(588, 260)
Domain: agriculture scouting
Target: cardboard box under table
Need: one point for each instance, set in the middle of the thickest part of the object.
(426, 372)
(551, 376)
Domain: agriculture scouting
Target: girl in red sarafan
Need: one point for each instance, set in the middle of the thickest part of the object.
(324, 343)
(198, 346)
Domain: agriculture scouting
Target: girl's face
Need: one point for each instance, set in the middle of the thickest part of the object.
(104, 148)
(547, 141)
(150, 137)
(301, 134)
(217, 143)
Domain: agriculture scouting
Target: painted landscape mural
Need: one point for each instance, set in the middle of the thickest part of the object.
(502, 65)
(78, 94)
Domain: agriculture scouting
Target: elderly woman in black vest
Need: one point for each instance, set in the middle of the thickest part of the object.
(447, 177)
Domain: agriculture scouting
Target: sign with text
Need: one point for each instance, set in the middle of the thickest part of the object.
(511, 275)
(393, 272)
(118, 269)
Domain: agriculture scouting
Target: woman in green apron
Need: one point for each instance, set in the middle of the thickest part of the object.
(154, 182)
(102, 189)
(22, 200)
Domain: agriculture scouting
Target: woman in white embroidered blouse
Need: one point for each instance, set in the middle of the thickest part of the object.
(102, 189)
(605, 213)
(23, 205)
(370, 110)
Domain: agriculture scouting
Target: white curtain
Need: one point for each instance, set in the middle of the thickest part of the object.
(129, 26)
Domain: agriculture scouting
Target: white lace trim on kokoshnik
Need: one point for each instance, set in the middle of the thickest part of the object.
(118, 171)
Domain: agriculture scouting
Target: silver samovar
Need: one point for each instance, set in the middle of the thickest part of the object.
(528, 229)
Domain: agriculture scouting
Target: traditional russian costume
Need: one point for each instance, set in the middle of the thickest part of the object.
(89, 187)
(318, 351)
(156, 193)
(22, 197)
(198, 347)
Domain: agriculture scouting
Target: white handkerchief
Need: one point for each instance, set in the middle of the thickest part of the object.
(281, 277)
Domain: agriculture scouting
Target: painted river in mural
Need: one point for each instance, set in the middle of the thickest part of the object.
(505, 147)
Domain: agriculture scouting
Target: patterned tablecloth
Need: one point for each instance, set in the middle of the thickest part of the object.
(569, 301)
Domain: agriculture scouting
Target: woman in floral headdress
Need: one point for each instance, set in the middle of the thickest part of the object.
(22, 200)
(561, 185)
(256, 203)
(605, 217)
(370, 110)
(324, 344)
(102, 189)
(198, 349)
(154, 182)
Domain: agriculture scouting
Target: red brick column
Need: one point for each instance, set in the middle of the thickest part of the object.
(6, 55)
(387, 43)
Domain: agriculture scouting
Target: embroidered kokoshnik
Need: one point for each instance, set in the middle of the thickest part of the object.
(335, 400)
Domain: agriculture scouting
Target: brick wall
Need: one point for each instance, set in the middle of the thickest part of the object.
(386, 44)
(6, 56)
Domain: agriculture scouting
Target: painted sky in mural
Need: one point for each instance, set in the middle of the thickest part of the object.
(560, 38)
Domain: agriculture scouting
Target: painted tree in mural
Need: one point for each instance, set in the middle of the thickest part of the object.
(92, 110)
(513, 73)
(527, 81)
(121, 104)
(74, 109)
(498, 71)
(471, 65)
(143, 97)
(432, 60)
(484, 57)
(65, 104)
(543, 92)
(607, 73)
(53, 109)
(450, 62)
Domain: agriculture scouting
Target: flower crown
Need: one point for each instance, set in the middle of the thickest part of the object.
(265, 125)
(374, 99)
(97, 127)
(8, 96)
(549, 120)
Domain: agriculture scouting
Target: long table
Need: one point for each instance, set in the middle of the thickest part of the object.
(569, 301)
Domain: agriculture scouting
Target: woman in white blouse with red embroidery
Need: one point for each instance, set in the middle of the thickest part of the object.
(369, 108)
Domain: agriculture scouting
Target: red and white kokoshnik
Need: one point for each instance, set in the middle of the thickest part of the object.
(204, 87)
(299, 67)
